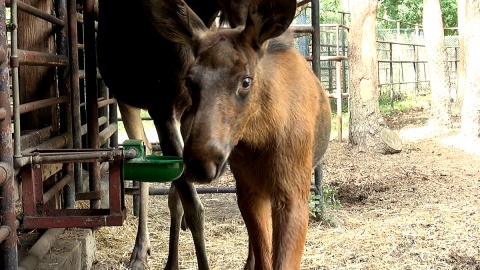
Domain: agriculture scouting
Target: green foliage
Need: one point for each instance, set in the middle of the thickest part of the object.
(317, 206)
(411, 11)
(402, 104)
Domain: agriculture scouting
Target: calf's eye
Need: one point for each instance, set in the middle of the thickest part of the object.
(247, 81)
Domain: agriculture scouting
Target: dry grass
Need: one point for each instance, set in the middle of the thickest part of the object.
(418, 209)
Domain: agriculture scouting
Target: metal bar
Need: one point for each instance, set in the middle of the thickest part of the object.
(6, 231)
(8, 246)
(92, 93)
(35, 105)
(338, 69)
(333, 58)
(81, 73)
(35, 137)
(6, 172)
(399, 61)
(401, 43)
(84, 128)
(75, 88)
(49, 194)
(334, 25)
(32, 189)
(15, 80)
(106, 102)
(37, 12)
(302, 28)
(57, 142)
(200, 190)
(64, 89)
(107, 133)
(89, 195)
(164, 191)
(69, 156)
(116, 197)
(403, 82)
(315, 9)
(39, 249)
(77, 218)
(335, 95)
(32, 58)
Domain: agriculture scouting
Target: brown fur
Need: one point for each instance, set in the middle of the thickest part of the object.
(271, 132)
(149, 75)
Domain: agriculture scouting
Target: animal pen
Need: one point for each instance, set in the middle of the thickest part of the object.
(59, 135)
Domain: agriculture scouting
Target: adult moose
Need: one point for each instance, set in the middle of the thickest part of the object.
(257, 105)
(149, 75)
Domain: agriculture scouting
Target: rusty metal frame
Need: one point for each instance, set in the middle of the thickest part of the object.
(36, 216)
(18, 155)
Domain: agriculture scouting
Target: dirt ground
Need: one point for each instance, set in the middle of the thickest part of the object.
(418, 209)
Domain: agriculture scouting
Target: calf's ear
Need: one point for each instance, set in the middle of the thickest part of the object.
(268, 19)
(175, 20)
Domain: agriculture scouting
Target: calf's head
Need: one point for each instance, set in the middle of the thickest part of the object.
(222, 80)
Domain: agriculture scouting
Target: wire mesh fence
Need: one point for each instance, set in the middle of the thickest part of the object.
(402, 59)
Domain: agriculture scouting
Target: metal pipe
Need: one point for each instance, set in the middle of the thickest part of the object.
(33, 58)
(48, 195)
(6, 231)
(301, 28)
(57, 142)
(107, 133)
(84, 128)
(15, 80)
(315, 9)
(75, 88)
(106, 102)
(92, 94)
(40, 248)
(37, 12)
(164, 191)
(8, 191)
(6, 172)
(33, 138)
(35, 105)
(68, 156)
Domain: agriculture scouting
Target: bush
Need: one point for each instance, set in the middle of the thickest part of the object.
(317, 206)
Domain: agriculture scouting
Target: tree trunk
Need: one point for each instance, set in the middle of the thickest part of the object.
(440, 108)
(365, 119)
(461, 55)
(471, 103)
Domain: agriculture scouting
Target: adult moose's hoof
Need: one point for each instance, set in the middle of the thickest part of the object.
(138, 259)
(137, 265)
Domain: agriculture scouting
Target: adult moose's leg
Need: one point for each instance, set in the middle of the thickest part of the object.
(133, 126)
(171, 143)
(255, 209)
(194, 217)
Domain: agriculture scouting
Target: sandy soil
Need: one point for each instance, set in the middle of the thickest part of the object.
(418, 209)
